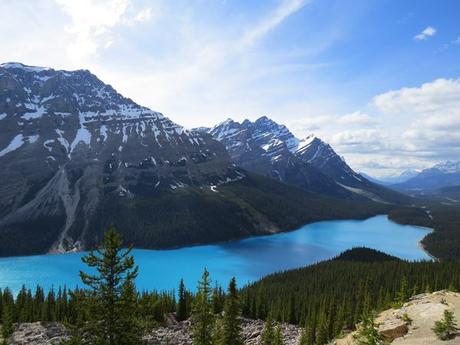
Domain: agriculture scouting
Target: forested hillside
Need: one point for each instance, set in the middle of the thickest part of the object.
(332, 296)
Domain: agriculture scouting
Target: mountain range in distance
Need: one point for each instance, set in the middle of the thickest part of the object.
(440, 176)
(77, 157)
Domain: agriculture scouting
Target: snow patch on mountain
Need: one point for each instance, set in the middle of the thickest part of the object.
(16, 143)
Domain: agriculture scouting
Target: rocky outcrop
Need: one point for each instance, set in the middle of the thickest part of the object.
(39, 333)
(412, 324)
(175, 334)
(252, 331)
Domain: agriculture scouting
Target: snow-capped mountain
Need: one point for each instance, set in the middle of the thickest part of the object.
(69, 142)
(268, 148)
(444, 174)
(393, 179)
(76, 157)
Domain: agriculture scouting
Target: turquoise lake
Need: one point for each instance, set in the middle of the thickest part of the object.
(247, 259)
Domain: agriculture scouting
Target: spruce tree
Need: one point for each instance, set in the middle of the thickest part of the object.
(268, 332)
(112, 295)
(368, 333)
(202, 316)
(307, 336)
(231, 324)
(447, 327)
(182, 313)
(278, 337)
(7, 322)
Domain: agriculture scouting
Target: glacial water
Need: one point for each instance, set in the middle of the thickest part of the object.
(247, 259)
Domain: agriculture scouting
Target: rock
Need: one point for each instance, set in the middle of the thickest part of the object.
(423, 310)
(38, 333)
(393, 328)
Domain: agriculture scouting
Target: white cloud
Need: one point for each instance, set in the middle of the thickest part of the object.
(428, 32)
(356, 118)
(92, 22)
(441, 96)
(287, 8)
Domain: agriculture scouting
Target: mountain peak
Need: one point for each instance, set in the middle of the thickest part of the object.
(19, 65)
(448, 167)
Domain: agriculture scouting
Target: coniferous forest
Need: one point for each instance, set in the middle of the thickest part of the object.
(325, 299)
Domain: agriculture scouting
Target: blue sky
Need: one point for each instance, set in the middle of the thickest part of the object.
(378, 79)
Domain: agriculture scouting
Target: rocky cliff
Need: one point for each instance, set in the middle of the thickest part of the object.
(422, 312)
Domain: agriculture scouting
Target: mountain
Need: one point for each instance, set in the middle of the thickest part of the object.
(77, 157)
(393, 179)
(270, 149)
(441, 175)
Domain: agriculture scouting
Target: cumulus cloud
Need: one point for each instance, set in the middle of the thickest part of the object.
(428, 32)
(92, 22)
(356, 118)
(440, 95)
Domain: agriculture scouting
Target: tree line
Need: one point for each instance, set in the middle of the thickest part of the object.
(325, 299)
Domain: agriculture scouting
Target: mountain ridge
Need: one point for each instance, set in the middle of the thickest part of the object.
(270, 149)
(78, 157)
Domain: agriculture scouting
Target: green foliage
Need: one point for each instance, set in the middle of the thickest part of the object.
(278, 338)
(444, 241)
(333, 296)
(406, 318)
(203, 316)
(367, 333)
(231, 325)
(183, 306)
(112, 298)
(7, 316)
(307, 337)
(268, 332)
(447, 327)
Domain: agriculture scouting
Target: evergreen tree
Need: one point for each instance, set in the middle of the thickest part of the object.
(231, 325)
(7, 322)
(218, 332)
(278, 337)
(182, 313)
(202, 316)
(447, 327)
(307, 336)
(268, 332)
(322, 331)
(112, 297)
(403, 293)
(368, 333)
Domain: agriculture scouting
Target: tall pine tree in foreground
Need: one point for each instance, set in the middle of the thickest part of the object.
(203, 317)
(112, 297)
(231, 328)
(182, 312)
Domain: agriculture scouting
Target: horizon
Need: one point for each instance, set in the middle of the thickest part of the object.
(380, 84)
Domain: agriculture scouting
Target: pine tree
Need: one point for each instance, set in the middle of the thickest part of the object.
(182, 313)
(403, 293)
(202, 316)
(368, 333)
(112, 296)
(278, 337)
(307, 336)
(268, 332)
(231, 325)
(447, 327)
(7, 321)
(322, 331)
